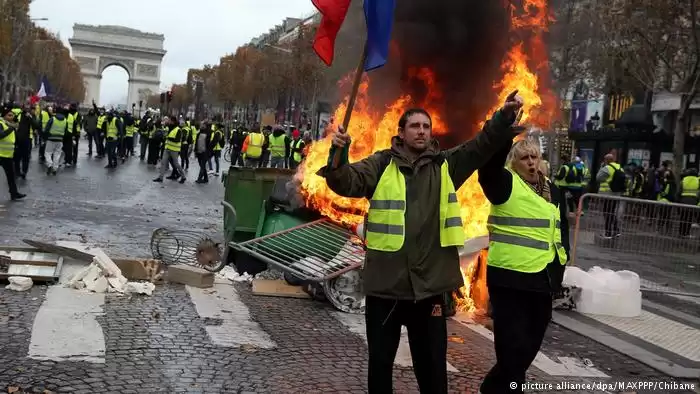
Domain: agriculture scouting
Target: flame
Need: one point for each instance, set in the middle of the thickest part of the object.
(372, 128)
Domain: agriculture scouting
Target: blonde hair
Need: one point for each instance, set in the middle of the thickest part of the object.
(521, 148)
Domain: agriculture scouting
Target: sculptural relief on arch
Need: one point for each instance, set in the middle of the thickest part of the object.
(141, 54)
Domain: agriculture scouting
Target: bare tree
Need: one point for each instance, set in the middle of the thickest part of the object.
(657, 44)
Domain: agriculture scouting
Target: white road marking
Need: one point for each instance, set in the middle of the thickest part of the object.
(65, 327)
(356, 325)
(237, 328)
(564, 366)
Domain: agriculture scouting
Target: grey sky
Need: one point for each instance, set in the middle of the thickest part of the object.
(196, 32)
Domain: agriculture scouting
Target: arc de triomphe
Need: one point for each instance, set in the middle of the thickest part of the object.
(140, 54)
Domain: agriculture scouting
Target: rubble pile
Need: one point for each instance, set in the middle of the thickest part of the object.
(103, 276)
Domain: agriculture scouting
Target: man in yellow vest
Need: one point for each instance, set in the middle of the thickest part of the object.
(7, 150)
(55, 135)
(217, 141)
(253, 148)
(279, 148)
(43, 119)
(413, 229)
(612, 180)
(173, 145)
(690, 194)
(296, 147)
(111, 129)
(73, 137)
(130, 130)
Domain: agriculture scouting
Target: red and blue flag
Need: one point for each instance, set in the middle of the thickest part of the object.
(379, 18)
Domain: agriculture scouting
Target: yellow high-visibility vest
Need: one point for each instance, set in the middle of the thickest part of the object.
(525, 231)
(174, 146)
(58, 129)
(255, 144)
(605, 185)
(691, 186)
(112, 130)
(386, 221)
(297, 155)
(277, 145)
(7, 144)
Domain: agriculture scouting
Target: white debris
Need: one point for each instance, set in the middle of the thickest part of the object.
(104, 276)
(19, 283)
(231, 274)
(139, 288)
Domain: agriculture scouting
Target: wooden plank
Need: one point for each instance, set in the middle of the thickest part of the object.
(277, 288)
(61, 250)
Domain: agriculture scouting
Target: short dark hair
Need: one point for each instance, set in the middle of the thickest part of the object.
(410, 112)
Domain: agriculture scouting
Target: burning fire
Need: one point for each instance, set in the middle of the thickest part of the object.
(372, 131)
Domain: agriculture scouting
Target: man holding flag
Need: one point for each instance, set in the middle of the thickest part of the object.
(413, 227)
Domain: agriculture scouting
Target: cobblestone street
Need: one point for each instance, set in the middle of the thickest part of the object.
(225, 339)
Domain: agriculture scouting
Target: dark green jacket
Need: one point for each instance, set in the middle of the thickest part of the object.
(421, 268)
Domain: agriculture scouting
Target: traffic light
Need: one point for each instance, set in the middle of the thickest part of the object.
(169, 96)
(162, 98)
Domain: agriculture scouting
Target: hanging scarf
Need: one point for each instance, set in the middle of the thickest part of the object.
(541, 187)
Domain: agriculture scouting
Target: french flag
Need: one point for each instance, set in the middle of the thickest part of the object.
(379, 17)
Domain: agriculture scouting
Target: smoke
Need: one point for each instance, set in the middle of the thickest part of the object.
(462, 41)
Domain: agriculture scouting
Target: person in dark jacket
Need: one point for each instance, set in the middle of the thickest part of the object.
(202, 149)
(413, 229)
(23, 141)
(528, 250)
(90, 126)
(156, 142)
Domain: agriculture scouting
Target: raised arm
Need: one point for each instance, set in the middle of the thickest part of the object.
(495, 180)
(356, 180)
(468, 157)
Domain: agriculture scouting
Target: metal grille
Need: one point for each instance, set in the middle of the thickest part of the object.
(186, 247)
(660, 241)
(315, 251)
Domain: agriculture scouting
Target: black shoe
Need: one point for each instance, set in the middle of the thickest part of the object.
(54, 171)
(172, 178)
(199, 181)
(24, 176)
(109, 166)
(159, 180)
(183, 180)
(18, 196)
(48, 171)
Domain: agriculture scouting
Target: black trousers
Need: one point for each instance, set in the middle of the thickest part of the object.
(23, 152)
(427, 337)
(202, 159)
(576, 194)
(68, 148)
(144, 146)
(154, 151)
(42, 150)
(610, 213)
(8, 165)
(100, 144)
(185, 156)
(217, 156)
(129, 146)
(520, 320)
(90, 138)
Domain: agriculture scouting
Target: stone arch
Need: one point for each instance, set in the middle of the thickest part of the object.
(97, 47)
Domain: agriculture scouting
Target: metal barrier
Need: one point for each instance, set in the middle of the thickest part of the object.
(660, 241)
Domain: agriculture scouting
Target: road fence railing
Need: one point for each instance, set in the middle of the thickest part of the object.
(658, 240)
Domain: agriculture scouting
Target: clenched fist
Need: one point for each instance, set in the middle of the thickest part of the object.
(341, 138)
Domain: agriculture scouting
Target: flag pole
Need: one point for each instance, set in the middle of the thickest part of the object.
(351, 102)
(355, 87)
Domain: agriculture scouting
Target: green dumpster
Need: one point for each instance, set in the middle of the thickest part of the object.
(246, 190)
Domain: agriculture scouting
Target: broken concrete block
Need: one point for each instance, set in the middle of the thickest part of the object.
(191, 276)
(108, 267)
(19, 283)
(100, 285)
(139, 288)
(117, 284)
(140, 269)
(92, 273)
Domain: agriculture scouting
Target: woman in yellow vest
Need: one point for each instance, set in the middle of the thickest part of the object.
(413, 229)
(528, 249)
(690, 191)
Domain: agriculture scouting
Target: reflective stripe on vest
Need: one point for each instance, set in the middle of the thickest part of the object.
(255, 143)
(173, 145)
(525, 231)
(277, 145)
(297, 155)
(691, 186)
(7, 144)
(130, 130)
(605, 185)
(385, 223)
(58, 129)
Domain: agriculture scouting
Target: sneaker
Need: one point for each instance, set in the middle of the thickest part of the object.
(18, 196)
(159, 180)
